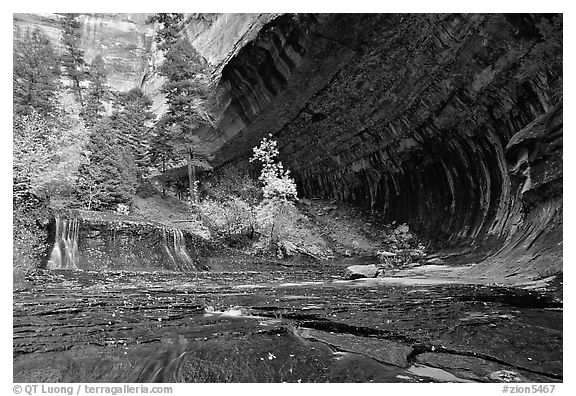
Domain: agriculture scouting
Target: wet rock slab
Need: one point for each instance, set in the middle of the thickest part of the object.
(475, 369)
(306, 324)
(382, 350)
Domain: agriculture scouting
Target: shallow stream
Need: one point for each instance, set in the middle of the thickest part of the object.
(279, 324)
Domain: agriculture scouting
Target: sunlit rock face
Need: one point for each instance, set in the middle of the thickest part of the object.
(217, 38)
(423, 118)
(124, 41)
(49, 24)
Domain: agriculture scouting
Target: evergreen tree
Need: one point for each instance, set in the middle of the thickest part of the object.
(111, 176)
(160, 147)
(130, 119)
(167, 34)
(188, 88)
(73, 56)
(188, 92)
(97, 92)
(189, 95)
(35, 75)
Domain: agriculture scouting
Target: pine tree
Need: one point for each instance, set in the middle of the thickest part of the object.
(189, 95)
(73, 56)
(188, 92)
(167, 34)
(188, 88)
(161, 155)
(111, 176)
(35, 75)
(130, 119)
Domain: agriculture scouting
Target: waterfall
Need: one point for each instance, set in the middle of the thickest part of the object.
(176, 250)
(64, 254)
(181, 252)
(167, 249)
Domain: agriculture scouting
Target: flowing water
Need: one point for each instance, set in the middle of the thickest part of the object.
(252, 321)
(64, 254)
(175, 247)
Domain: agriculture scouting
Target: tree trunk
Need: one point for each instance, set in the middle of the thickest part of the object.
(191, 177)
(162, 181)
(91, 196)
(78, 90)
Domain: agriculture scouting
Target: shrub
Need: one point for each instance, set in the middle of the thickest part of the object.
(122, 209)
(232, 183)
(228, 218)
(30, 234)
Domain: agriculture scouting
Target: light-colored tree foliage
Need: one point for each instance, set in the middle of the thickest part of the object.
(230, 217)
(278, 189)
(276, 181)
(46, 157)
(228, 204)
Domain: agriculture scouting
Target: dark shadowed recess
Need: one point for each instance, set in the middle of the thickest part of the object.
(450, 123)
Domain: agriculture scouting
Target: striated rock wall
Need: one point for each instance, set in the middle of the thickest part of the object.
(123, 40)
(423, 118)
(126, 43)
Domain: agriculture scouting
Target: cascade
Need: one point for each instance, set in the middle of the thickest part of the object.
(181, 252)
(176, 250)
(64, 254)
(167, 248)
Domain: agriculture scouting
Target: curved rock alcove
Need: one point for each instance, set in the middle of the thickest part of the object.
(450, 123)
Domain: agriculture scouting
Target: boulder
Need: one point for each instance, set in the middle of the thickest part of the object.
(361, 271)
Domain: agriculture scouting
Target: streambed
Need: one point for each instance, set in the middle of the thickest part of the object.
(265, 323)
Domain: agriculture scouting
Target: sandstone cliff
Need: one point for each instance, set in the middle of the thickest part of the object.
(126, 43)
(451, 123)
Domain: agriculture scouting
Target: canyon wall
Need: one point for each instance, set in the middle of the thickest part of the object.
(126, 43)
(451, 123)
